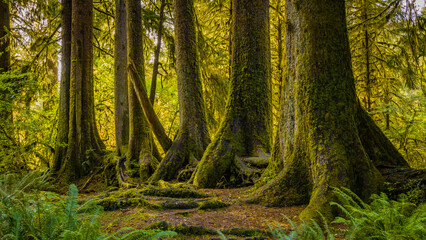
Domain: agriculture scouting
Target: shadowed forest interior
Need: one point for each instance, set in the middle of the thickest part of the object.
(212, 119)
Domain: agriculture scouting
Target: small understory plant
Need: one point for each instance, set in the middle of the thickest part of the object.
(382, 218)
(29, 214)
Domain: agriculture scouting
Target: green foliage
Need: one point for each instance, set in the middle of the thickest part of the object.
(308, 231)
(382, 218)
(26, 136)
(29, 214)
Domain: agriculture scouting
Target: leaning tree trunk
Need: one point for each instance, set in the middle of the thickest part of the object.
(246, 129)
(140, 160)
(84, 145)
(120, 79)
(193, 136)
(64, 89)
(326, 139)
(5, 112)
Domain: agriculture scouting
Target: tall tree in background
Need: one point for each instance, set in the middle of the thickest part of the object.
(5, 114)
(157, 53)
(120, 79)
(140, 159)
(326, 138)
(84, 146)
(246, 128)
(64, 90)
(193, 136)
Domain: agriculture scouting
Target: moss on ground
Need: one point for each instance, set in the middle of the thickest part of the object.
(173, 192)
(183, 229)
(113, 203)
(123, 199)
(212, 204)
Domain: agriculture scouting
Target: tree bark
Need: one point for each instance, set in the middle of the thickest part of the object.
(150, 114)
(120, 79)
(6, 113)
(246, 129)
(326, 139)
(84, 144)
(140, 160)
(193, 138)
(157, 54)
(64, 89)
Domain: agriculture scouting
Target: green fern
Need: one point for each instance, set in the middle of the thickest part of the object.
(70, 208)
(27, 214)
(312, 231)
(382, 219)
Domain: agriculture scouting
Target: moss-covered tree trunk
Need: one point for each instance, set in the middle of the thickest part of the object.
(246, 129)
(5, 111)
(325, 138)
(84, 146)
(64, 89)
(120, 79)
(140, 160)
(193, 138)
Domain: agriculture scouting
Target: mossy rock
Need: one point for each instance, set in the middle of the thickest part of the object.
(212, 204)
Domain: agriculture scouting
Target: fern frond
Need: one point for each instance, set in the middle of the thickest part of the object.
(70, 207)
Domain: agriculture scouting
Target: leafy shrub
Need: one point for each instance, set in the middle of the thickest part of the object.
(29, 214)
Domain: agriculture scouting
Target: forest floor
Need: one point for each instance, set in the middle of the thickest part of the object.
(182, 209)
(239, 220)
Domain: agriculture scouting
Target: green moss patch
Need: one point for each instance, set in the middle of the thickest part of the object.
(179, 205)
(124, 199)
(212, 204)
(173, 192)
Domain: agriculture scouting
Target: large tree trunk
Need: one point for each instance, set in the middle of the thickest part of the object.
(326, 139)
(140, 160)
(64, 89)
(84, 145)
(193, 136)
(246, 129)
(120, 79)
(6, 112)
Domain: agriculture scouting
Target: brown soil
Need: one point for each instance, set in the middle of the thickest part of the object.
(238, 215)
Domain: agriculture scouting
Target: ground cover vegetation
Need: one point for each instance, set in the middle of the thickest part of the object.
(134, 119)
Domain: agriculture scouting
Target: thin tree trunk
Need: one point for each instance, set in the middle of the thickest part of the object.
(157, 54)
(326, 138)
(6, 112)
(193, 138)
(64, 89)
(140, 160)
(4, 43)
(368, 84)
(120, 79)
(246, 129)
